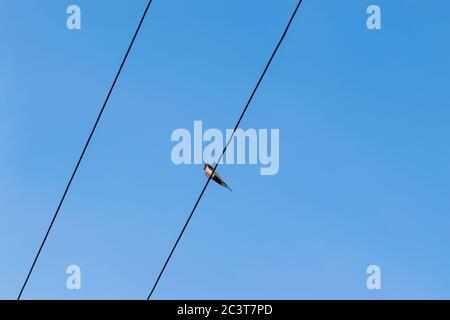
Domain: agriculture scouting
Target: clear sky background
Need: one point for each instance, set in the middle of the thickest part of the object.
(364, 155)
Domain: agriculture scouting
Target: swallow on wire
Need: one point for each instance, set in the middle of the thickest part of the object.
(208, 169)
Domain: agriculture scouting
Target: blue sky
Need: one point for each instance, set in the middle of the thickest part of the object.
(364, 160)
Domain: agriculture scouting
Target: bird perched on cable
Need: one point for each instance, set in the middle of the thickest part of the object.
(208, 169)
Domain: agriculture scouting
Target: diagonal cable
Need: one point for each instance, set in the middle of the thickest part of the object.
(225, 149)
(85, 148)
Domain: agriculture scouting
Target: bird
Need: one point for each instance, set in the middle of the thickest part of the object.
(208, 169)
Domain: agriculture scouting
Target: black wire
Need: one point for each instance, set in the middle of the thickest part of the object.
(225, 149)
(85, 148)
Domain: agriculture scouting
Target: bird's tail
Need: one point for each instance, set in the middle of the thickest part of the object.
(226, 186)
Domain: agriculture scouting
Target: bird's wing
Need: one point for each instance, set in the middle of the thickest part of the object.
(216, 175)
